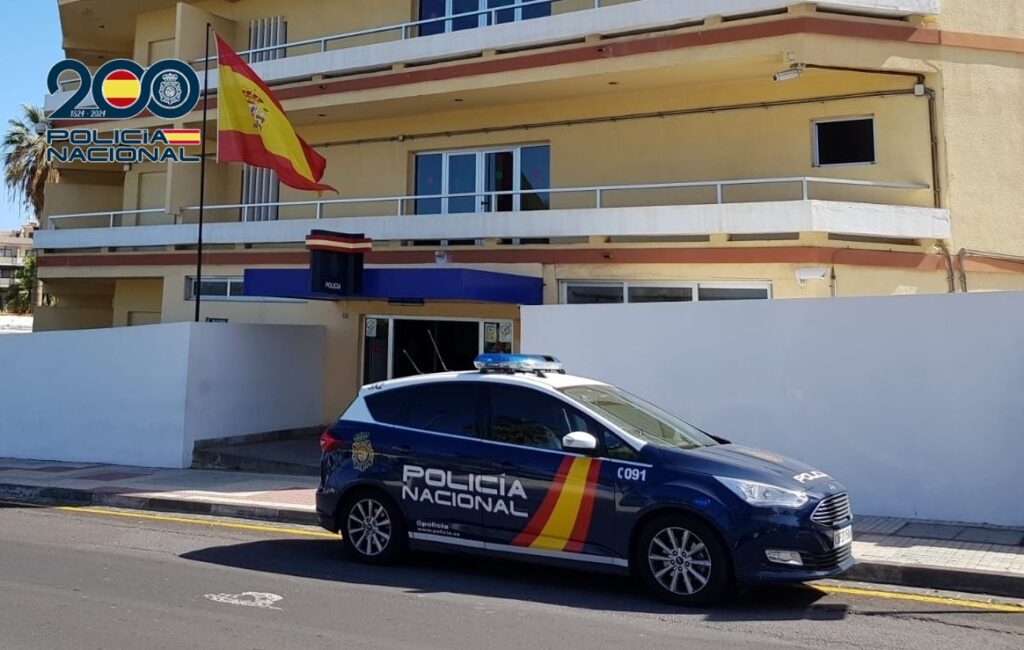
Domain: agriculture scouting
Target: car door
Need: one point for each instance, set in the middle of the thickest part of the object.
(435, 463)
(550, 502)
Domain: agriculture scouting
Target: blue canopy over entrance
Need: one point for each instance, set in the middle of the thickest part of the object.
(404, 284)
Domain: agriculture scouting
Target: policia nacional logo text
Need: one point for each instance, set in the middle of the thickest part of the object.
(497, 494)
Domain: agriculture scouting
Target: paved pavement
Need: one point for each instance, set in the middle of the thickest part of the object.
(93, 578)
(938, 555)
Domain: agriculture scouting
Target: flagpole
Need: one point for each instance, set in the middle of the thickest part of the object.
(202, 176)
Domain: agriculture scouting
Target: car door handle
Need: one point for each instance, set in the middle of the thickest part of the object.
(508, 466)
(404, 449)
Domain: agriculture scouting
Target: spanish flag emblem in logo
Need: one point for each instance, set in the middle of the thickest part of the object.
(563, 519)
(253, 128)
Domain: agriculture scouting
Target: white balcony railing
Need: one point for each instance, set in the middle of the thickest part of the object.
(593, 197)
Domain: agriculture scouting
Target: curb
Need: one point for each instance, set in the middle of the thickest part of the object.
(70, 496)
(933, 577)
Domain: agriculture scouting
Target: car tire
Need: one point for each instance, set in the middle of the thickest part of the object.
(373, 528)
(681, 560)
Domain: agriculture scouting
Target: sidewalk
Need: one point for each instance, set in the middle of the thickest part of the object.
(928, 554)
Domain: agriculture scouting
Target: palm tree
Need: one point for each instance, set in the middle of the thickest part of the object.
(26, 170)
(18, 297)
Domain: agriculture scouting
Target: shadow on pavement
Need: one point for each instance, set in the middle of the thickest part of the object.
(471, 575)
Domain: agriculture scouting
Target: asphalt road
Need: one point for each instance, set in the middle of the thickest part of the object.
(74, 578)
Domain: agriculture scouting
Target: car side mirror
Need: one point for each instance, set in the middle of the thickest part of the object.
(579, 441)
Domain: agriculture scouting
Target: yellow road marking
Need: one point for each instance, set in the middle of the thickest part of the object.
(920, 598)
(199, 522)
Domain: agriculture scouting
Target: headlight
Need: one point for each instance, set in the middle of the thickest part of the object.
(762, 494)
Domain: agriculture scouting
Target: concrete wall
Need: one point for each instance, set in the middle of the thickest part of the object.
(913, 402)
(143, 395)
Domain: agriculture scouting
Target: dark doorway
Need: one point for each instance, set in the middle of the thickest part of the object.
(457, 341)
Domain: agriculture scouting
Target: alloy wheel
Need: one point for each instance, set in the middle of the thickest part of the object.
(679, 561)
(369, 527)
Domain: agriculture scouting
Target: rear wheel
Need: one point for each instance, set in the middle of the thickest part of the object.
(373, 529)
(681, 560)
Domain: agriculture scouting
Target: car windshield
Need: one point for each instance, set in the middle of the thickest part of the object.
(639, 417)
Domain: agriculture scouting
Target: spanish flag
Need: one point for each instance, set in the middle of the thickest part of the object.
(252, 127)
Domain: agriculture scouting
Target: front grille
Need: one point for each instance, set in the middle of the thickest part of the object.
(832, 510)
(827, 561)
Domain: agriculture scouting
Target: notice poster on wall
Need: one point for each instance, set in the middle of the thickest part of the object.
(490, 332)
(371, 328)
(505, 332)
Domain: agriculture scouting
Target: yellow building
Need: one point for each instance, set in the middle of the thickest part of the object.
(644, 150)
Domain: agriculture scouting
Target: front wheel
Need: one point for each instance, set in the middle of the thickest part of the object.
(373, 529)
(681, 560)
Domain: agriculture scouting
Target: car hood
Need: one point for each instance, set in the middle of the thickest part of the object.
(737, 461)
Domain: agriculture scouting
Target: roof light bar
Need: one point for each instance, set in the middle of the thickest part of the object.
(518, 363)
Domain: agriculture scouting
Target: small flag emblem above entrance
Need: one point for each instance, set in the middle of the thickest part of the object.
(336, 262)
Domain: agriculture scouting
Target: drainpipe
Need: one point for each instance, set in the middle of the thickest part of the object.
(950, 276)
(966, 252)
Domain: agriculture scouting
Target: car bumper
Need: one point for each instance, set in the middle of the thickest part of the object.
(326, 510)
(789, 532)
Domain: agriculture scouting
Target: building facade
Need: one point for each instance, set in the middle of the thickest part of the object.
(15, 246)
(619, 151)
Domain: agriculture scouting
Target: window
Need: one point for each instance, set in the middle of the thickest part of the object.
(443, 407)
(522, 416)
(639, 417)
(442, 9)
(593, 293)
(491, 180)
(844, 142)
(222, 288)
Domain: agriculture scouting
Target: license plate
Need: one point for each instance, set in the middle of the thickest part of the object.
(842, 537)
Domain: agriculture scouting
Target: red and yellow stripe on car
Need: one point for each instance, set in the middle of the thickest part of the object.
(563, 519)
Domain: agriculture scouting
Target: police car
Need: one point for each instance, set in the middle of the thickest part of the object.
(521, 460)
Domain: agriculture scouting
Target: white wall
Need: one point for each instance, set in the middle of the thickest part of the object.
(915, 403)
(275, 375)
(143, 395)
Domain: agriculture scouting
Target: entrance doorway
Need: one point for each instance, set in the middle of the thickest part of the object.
(401, 347)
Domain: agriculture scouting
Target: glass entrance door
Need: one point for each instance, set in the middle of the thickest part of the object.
(400, 347)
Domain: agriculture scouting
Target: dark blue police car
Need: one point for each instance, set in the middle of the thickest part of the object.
(523, 461)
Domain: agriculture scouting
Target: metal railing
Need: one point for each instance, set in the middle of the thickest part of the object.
(598, 193)
(408, 29)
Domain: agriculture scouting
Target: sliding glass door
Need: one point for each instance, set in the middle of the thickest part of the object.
(490, 180)
(439, 13)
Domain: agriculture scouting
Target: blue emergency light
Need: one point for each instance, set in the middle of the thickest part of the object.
(537, 363)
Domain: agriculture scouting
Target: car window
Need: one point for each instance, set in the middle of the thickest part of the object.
(528, 417)
(639, 417)
(448, 407)
(616, 448)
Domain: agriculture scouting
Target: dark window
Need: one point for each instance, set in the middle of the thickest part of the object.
(428, 181)
(444, 408)
(523, 416)
(386, 406)
(616, 448)
(660, 294)
(592, 294)
(535, 174)
(539, 10)
(432, 9)
(845, 142)
(731, 293)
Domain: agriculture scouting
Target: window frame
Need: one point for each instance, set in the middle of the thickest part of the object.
(231, 280)
(487, 420)
(564, 285)
(481, 184)
(815, 144)
(483, 19)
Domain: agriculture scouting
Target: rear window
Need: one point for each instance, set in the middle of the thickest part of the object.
(440, 407)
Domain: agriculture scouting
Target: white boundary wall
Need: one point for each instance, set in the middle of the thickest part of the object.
(143, 395)
(915, 403)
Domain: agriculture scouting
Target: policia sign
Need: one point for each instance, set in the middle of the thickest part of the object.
(336, 262)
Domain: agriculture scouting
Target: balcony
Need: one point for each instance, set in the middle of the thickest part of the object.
(748, 207)
(506, 28)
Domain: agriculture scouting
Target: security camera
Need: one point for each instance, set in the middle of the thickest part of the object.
(792, 73)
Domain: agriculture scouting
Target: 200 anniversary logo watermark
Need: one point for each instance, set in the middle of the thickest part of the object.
(122, 89)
